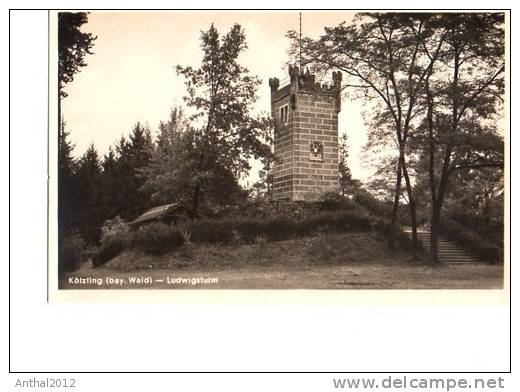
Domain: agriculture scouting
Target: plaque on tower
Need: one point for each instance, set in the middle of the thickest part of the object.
(316, 151)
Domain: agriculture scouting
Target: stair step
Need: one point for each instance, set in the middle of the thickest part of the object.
(461, 262)
(447, 249)
(443, 244)
(456, 256)
(447, 252)
(451, 250)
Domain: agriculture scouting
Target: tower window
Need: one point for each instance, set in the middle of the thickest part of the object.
(284, 114)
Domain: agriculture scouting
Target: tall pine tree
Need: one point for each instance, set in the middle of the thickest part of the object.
(133, 155)
(89, 198)
(67, 200)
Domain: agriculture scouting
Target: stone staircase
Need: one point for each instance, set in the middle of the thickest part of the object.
(447, 252)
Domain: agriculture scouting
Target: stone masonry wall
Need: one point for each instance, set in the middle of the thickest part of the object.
(283, 150)
(315, 119)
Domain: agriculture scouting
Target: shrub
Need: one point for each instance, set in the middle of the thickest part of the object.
(491, 229)
(372, 204)
(186, 234)
(260, 240)
(476, 244)
(156, 239)
(236, 239)
(187, 251)
(159, 238)
(213, 231)
(259, 249)
(331, 201)
(279, 228)
(341, 222)
(237, 231)
(250, 229)
(71, 253)
(322, 247)
(111, 246)
(113, 226)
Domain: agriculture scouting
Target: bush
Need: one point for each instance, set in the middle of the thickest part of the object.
(159, 238)
(372, 204)
(156, 239)
(322, 247)
(331, 201)
(246, 231)
(341, 222)
(113, 226)
(476, 244)
(491, 229)
(111, 246)
(259, 250)
(220, 231)
(278, 229)
(71, 253)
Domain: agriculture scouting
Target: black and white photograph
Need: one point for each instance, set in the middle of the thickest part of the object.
(279, 150)
(273, 199)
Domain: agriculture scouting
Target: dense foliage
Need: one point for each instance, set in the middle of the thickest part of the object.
(73, 46)
(324, 217)
(433, 89)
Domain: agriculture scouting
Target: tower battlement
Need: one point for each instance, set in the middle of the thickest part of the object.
(306, 135)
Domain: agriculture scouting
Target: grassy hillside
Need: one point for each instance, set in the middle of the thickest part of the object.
(323, 249)
(333, 261)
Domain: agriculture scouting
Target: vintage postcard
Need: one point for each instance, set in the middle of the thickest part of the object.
(279, 154)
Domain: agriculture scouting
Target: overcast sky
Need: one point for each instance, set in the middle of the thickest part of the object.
(131, 75)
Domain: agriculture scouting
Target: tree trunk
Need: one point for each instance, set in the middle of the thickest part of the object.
(434, 230)
(196, 190)
(411, 206)
(395, 208)
(435, 212)
(196, 197)
(438, 197)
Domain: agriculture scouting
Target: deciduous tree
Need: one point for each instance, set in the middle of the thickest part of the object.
(462, 98)
(379, 54)
(220, 94)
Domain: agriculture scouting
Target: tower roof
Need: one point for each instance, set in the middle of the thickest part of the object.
(303, 80)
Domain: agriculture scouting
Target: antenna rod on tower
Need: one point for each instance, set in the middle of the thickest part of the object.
(300, 42)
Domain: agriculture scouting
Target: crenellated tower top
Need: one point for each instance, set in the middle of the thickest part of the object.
(306, 135)
(305, 82)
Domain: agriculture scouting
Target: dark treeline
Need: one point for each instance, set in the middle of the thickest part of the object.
(197, 159)
(94, 188)
(142, 171)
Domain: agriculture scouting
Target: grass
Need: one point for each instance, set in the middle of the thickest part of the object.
(322, 249)
(324, 261)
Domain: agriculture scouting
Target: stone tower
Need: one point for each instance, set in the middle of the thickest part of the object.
(305, 136)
